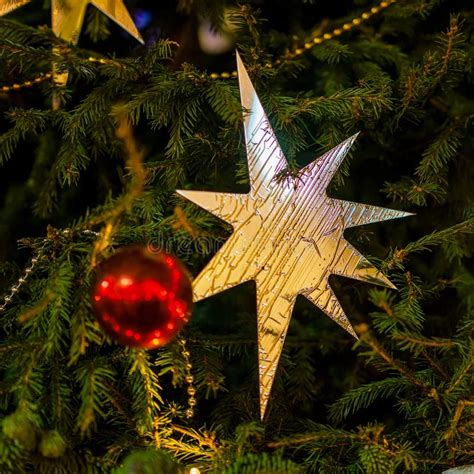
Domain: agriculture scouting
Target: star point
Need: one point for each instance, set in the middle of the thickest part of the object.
(68, 15)
(294, 233)
(7, 6)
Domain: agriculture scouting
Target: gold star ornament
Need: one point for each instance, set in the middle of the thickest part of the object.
(288, 236)
(67, 17)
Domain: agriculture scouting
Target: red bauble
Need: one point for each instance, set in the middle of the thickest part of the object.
(142, 298)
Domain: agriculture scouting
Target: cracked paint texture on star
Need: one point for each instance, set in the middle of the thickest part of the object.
(288, 236)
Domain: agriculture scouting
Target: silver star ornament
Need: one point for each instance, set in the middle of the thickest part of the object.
(287, 236)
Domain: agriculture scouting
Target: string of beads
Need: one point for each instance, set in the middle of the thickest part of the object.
(26, 84)
(316, 39)
(192, 402)
(41, 254)
(21, 281)
(288, 56)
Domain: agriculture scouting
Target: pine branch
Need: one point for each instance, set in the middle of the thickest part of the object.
(146, 391)
(27, 123)
(367, 337)
(94, 380)
(448, 235)
(365, 395)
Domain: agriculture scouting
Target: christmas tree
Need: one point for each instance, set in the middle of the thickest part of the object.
(108, 109)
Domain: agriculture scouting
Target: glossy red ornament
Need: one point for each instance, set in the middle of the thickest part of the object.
(142, 298)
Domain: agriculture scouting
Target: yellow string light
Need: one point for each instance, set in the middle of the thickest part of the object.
(288, 56)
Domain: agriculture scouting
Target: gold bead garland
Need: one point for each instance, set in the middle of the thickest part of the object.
(316, 39)
(192, 402)
(298, 51)
(26, 84)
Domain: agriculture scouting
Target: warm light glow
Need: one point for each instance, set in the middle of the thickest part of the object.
(179, 308)
(175, 276)
(170, 326)
(127, 289)
(129, 333)
(104, 284)
(194, 470)
(155, 341)
(126, 281)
